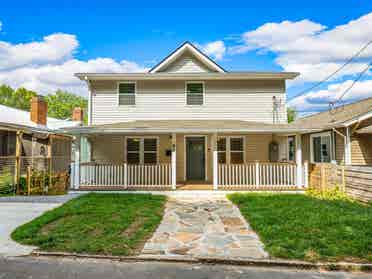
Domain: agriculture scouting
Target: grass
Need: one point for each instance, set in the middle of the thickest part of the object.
(302, 227)
(108, 224)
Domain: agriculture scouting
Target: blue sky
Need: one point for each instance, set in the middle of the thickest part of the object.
(262, 36)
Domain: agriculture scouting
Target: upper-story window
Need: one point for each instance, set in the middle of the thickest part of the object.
(194, 93)
(127, 93)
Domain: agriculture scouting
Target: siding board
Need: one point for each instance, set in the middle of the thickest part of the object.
(245, 100)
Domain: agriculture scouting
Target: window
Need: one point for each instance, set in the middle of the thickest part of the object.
(194, 93)
(321, 151)
(150, 151)
(230, 150)
(142, 150)
(127, 93)
(236, 151)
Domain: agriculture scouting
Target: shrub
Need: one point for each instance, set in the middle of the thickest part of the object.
(328, 193)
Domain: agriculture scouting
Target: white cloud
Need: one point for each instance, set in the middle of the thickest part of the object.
(47, 65)
(309, 47)
(53, 49)
(318, 100)
(1, 25)
(214, 49)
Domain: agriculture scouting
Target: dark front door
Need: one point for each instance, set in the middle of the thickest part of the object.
(195, 158)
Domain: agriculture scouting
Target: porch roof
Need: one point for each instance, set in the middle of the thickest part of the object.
(187, 126)
(365, 130)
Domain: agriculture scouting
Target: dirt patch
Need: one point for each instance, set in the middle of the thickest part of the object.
(45, 230)
(133, 227)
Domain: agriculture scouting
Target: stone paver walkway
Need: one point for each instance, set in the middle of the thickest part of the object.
(204, 227)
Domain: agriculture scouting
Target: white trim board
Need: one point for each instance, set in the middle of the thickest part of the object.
(197, 53)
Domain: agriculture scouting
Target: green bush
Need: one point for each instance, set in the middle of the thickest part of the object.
(6, 181)
(328, 194)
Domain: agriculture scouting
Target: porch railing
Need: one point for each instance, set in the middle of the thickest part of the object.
(125, 175)
(257, 174)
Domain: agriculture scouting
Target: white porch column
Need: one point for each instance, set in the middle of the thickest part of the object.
(174, 158)
(215, 161)
(299, 160)
(347, 150)
(76, 171)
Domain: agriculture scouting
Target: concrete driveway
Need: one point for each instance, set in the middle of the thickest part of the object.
(17, 210)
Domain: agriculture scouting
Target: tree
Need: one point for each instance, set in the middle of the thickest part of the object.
(61, 104)
(291, 114)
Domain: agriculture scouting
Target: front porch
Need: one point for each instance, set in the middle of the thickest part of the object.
(185, 161)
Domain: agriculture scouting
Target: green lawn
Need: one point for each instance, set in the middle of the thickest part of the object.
(109, 224)
(301, 227)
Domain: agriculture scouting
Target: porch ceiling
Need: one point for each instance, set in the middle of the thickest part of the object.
(190, 126)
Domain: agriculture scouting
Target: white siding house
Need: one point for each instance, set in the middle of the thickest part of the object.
(185, 121)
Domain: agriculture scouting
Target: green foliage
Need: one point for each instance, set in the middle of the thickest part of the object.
(60, 104)
(6, 181)
(291, 114)
(20, 98)
(328, 194)
(296, 226)
(109, 224)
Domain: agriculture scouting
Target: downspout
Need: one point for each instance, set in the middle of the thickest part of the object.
(89, 100)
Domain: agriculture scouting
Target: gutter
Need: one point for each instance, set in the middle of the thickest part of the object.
(191, 130)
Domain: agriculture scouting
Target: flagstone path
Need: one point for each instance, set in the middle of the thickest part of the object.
(204, 227)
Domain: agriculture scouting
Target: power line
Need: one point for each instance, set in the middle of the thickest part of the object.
(333, 103)
(335, 72)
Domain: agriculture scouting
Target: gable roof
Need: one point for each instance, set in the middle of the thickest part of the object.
(341, 116)
(21, 118)
(187, 46)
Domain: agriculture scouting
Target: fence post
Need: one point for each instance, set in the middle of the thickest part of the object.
(306, 174)
(257, 174)
(322, 177)
(17, 170)
(343, 178)
(174, 158)
(215, 161)
(125, 175)
(28, 180)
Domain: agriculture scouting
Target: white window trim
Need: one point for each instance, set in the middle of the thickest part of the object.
(324, 134)
(141, 150)
(228, 148)
(196, 81)
(118, 93)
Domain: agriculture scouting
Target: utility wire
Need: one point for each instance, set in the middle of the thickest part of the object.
(354, 82)
(333, 73)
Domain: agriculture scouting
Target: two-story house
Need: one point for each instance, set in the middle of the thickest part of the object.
(188, 121)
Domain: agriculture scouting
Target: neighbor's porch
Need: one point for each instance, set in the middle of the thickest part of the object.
(188, 161)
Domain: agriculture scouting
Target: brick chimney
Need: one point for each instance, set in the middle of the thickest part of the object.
(39, 110)
(77, 114)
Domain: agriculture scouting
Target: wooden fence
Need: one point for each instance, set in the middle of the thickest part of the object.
(356, 181)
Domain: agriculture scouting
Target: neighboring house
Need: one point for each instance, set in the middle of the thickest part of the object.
(345, 136)
(188, 121)
(30, 138)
